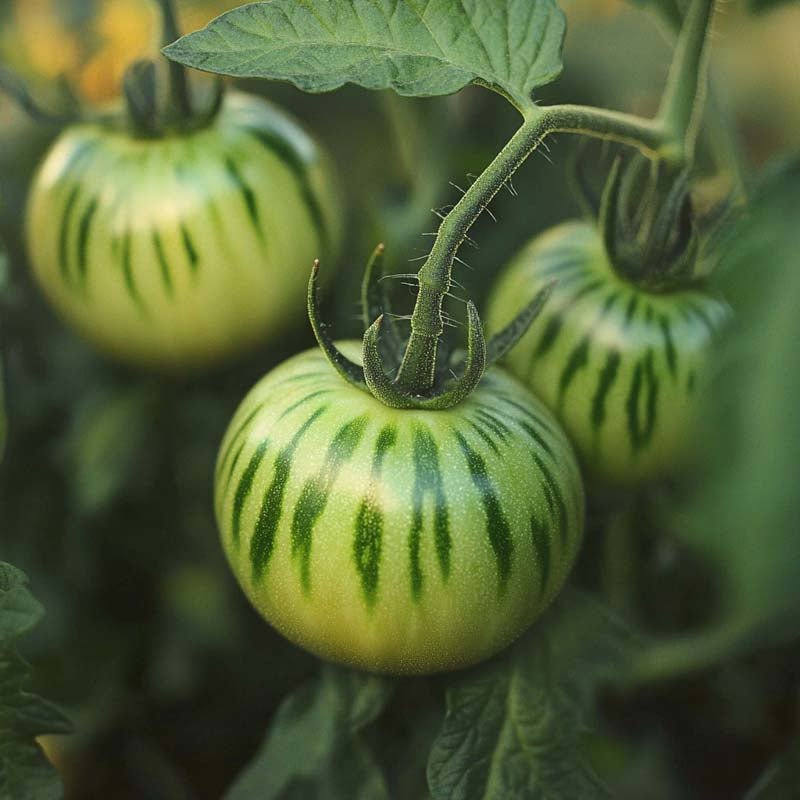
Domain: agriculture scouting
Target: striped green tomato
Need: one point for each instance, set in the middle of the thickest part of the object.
(175, 252)
(398, 541)
(620, 367)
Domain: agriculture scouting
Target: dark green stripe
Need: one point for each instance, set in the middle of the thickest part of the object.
(63, 237)
(549, 337)
(248, 196)
(368, 540)
(578, 359)
(527, 412)
(703, 317)
(84, 229)
(127, 271)
(191, 250)
(553, 497)
(294, 161)
(536, 436)
(644, 377)
(497, 525)
(243, 490)
(540, 536)
(607, 377)
(631, 309)
(497, 426)
(427, 479)
(166, 276)
(234, 462)
(669, 345)
(314, 495)
(690, 382)
(263, 541)
(476, 425)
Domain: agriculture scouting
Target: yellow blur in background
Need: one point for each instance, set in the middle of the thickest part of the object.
(93, 56)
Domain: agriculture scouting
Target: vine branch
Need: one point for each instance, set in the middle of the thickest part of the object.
(669, 135)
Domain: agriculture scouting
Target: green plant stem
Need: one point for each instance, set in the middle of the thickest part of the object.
(417, 370)
(669, 136)
(179, 95)
(677, 657)
(682, 102)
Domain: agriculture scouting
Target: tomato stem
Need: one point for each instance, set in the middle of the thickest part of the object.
(670, 135)
(682, 102)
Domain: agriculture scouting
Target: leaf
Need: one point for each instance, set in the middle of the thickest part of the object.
(25, 773)
(419, 48)
(314, 749)
(746, 517)
(513, 727)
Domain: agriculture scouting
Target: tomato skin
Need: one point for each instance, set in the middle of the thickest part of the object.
(621, 368)
(177, 252)
(392, 540)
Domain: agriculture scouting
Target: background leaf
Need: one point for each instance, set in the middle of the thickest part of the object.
(25, 773)
(746, 517)
(416, 47)
(314, 749)
(514, 726)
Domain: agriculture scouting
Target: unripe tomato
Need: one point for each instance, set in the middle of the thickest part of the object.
(399, 541)
(619, 366)
(177, 251)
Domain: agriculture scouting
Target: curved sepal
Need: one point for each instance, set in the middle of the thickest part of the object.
(140, 88)
(581, 183)
(348, 369)
(375, 303)
(609, 209)
(503, 341)
(457, 390)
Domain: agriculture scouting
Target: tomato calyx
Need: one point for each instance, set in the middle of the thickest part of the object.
(457, 376)
(147, 114)
(183, 110)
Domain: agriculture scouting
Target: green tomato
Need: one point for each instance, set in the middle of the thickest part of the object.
(176, 252)
(393, 540)
(620, 367)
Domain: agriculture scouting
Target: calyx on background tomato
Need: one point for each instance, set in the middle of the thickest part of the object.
(399, 541)
(621, 367)
(179, 250)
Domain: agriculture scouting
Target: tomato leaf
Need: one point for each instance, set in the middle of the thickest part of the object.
(416, 47)
(514, 726)
(25, 773)
(314, 747)
(746, 516)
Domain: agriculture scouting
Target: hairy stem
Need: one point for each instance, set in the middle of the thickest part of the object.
(670, 136)
(417, 370)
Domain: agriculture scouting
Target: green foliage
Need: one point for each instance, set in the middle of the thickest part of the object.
(515, 726)
(746, 518)
(415, 47)
(315, 747)
(25, 773)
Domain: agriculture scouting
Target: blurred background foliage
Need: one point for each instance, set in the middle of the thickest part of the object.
(171, 680)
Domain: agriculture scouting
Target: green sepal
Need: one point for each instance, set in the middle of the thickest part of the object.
(375, 303)
(140, 87)
(348, 369)
(456, 391)
(502, 342)
(609, 209)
